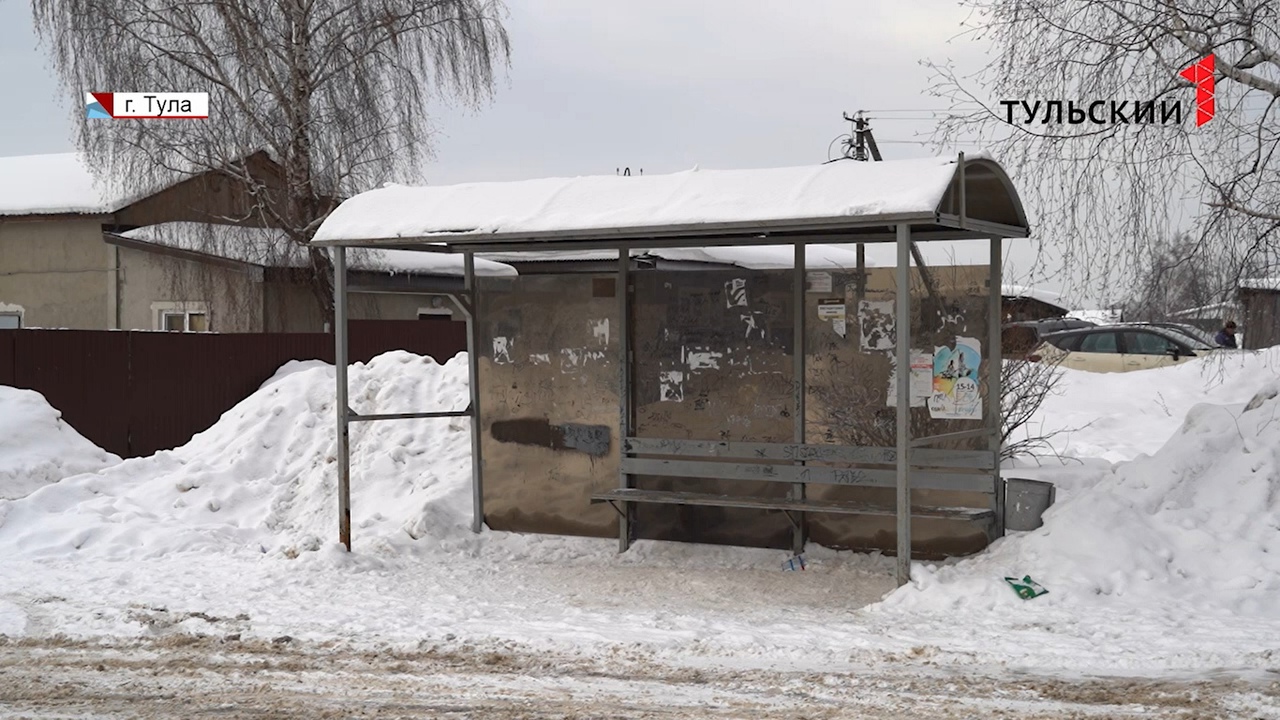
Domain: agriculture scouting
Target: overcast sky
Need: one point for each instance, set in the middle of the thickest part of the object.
(662, 85)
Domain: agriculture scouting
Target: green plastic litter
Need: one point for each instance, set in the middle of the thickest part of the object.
(1026, 587)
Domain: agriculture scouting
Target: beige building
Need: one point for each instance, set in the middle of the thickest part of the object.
(74, 256)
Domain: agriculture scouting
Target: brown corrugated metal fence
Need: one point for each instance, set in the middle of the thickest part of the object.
(133, 392)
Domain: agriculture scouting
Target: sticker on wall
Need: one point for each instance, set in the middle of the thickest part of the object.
(754, 328)
(735, 293)
(502, 351)
(876, 328)
(921, 379)
(540, 359)
(955, 381)
(818, 281)
(599, 330)
(671, 386)
(839, 327)
(701, 359)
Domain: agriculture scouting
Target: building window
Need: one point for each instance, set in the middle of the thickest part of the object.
(181, 316)
(185, 321)
(10, 320)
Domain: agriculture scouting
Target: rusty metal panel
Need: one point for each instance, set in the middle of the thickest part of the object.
(548, 377)
(84, 374)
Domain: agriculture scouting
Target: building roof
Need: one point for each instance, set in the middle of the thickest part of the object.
(271, 248)
(52, 185)
(692, 204)
(1264, 283)
(1048, 297)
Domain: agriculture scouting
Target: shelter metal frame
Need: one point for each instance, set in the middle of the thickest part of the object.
(903, 229)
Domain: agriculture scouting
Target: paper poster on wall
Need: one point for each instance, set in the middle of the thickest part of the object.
(875, 324)
(921, 379)
(818, 281)
(955, 381)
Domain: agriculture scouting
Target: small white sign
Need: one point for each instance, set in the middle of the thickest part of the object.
(831, 309)
(818, 281)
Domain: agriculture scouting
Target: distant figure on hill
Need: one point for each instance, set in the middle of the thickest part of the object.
(1226, 337)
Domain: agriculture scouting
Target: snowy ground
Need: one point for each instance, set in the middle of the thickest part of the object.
(205, 579)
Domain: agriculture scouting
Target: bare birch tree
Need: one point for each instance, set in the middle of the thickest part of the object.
(1105, 193)
(334, 91)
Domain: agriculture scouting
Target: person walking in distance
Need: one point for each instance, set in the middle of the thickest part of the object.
(1226, 337)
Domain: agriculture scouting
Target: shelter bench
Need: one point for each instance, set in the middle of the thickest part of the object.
(931, 469)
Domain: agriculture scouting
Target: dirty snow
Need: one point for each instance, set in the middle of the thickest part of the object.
(37, 447)
(1159, 556)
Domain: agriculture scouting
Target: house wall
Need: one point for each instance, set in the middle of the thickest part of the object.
(56, 269)
(713, 361)
(1261, 318)
(232, 293)
(292, 307)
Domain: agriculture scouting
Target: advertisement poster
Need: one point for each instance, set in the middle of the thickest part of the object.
(955, 381)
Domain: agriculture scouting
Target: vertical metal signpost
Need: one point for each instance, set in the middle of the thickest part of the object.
(624, 389)
(340, 371)
(995, 363)
(903, 373)
(798, 384)
(473, 380)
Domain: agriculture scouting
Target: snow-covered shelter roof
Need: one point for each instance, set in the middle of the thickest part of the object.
(1048, 297)
(717, 207)
(51, 185)
(269, 247)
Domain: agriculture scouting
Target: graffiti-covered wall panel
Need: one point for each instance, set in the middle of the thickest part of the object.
(549, 378)
(713, 362)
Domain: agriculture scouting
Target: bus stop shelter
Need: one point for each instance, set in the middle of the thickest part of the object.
(843, 203)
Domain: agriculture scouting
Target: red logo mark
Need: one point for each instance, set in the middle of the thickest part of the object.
(1200, 73)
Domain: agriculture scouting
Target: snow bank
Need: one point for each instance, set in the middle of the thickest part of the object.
(37, 447)
(1120, 416)
(1192, 529)
(262, 479)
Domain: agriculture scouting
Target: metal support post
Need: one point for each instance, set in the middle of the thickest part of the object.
(995, 363)
(903, 370)
(473, 382)
(798, 384)
(342, 408)
(627, 516)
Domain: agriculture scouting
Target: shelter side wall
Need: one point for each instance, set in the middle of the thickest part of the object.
(848, 376)
(548, 379)
(152, 282)
(56, 271)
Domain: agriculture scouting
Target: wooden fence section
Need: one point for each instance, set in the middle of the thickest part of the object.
(134, 392)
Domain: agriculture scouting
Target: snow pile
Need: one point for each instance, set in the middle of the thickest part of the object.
(1120, 416)
(263, 478)
(37, 447)
(1193, 528)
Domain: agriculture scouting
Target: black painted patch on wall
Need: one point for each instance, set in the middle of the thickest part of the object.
(593, 440)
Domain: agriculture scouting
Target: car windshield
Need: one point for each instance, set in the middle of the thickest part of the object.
(1200, 340)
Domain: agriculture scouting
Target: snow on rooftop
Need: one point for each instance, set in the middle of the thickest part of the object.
(51, 184)
(693, 197)
(1265, 283)
(1045, 296)
(270, 248)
